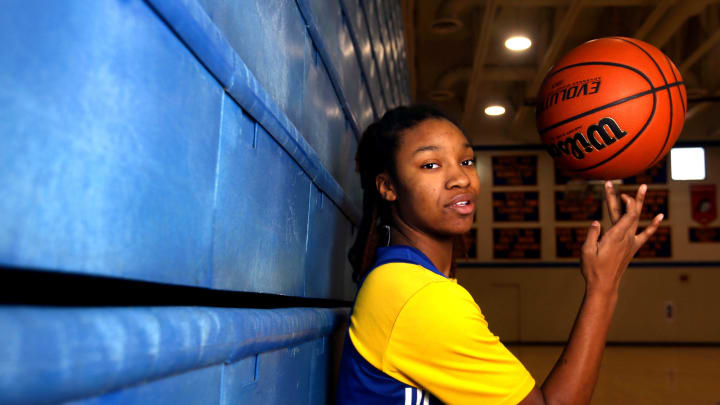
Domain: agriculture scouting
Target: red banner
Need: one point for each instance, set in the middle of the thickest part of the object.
(704, 205)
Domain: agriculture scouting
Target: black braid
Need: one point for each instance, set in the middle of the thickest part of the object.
(376, 155)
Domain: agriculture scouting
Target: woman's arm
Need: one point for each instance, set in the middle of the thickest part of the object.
(603, 263)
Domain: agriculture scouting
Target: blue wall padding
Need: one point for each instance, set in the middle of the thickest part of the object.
(258, 255)
(51, 355)
(329, 232)
(357, 22)
(200, 34)
(249, 92)
(122, 177)
(325, 122)
(350, 25)
(299, 375)
(329, 32)
(368, 8)
(203, 143)
(108, 143)
(196, 387)
(113, 160)
(386, 43)
(263, 255)
(402, 57)
(393, 31)
(392, 43)
(269, 38)
(397, 23)
(295, 77)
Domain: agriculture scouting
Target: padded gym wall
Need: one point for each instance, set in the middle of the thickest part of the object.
(170, 155)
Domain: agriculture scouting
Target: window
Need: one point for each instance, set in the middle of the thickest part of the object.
(687, 163)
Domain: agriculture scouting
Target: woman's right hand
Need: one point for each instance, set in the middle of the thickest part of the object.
(604, 260)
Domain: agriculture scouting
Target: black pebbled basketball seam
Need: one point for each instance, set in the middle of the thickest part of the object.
(614, 103)
(653, 90)
(670, 125)
(682, 101)
(602, 107)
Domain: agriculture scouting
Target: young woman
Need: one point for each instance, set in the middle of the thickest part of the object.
(416, 336)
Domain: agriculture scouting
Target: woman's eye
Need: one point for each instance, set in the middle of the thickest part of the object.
(430, 166)
(468, 162)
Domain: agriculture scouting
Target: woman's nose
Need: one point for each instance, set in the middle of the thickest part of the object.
(457, 177)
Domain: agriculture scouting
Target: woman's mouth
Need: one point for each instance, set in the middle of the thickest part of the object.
(462, 205)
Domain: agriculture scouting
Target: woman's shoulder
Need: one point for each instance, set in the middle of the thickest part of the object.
(384, 293)
(399, 280)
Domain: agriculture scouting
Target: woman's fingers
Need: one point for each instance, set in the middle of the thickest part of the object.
(629, 221)
(640, 197)
(613, 204)
(590, 247)
(643, 236)
(605, 260)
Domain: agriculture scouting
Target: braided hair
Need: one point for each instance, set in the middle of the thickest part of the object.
(376, 155)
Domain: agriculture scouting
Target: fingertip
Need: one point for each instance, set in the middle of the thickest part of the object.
(608, 184)
(659, 217)
(643, 188)
(593, 234)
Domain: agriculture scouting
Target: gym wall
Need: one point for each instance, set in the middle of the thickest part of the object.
(179, 194)
(663, 300)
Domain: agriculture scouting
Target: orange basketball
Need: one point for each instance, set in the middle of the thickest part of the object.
(611, 108)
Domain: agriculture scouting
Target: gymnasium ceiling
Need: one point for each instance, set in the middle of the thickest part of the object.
(458, 61)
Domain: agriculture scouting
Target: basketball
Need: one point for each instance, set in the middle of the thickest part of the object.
(611, 108)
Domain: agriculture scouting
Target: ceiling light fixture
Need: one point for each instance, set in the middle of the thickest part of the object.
(494, 110)
(518, 43)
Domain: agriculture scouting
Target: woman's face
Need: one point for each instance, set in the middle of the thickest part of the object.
(436, 183)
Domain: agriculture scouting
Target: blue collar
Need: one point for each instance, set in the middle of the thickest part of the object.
(404, 254)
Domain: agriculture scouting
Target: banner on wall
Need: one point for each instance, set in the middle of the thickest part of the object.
(569, 241)
(659, 245)
(515, 206)
(704, 235)
(516, 243)
(654, 175)
(514, 170)
(471, 240)
(656, 202)
(703, 202)
(585, 205)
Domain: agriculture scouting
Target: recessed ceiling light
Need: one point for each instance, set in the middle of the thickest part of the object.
(518, 43)
(495, 110)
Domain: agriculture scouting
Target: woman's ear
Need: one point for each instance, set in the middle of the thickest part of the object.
(385, 187)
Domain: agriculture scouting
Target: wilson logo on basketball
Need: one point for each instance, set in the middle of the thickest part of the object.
(599, 136)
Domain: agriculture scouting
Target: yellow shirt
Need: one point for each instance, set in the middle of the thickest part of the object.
(425, 331)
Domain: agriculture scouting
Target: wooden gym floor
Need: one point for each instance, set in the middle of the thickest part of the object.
(639, 375)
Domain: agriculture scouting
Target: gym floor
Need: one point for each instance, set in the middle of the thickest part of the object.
(639, 375)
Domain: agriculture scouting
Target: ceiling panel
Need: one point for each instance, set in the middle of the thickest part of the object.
(459, 63)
